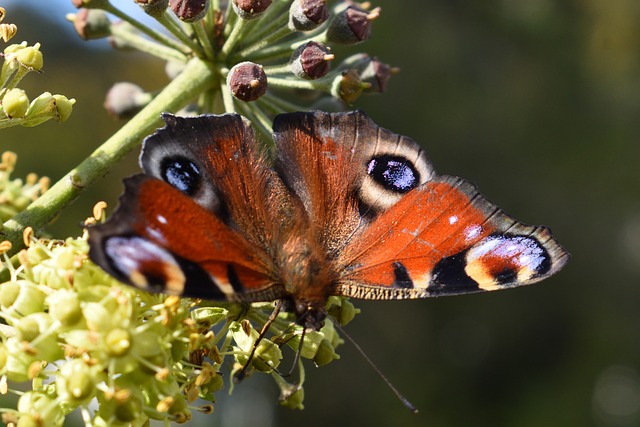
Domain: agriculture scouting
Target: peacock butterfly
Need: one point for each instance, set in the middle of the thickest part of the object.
(346, 208)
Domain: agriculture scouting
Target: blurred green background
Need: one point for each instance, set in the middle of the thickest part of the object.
(535, 101)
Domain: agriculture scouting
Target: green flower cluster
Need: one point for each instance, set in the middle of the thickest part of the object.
(15, 106)
(82, 338)
(16, 194)
(263, 53)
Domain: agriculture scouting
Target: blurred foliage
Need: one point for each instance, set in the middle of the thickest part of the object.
(538, 104)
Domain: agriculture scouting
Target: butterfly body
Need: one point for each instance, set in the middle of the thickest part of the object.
(346, 208)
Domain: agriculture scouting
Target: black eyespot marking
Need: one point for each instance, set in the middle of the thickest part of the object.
(401, 275)
(182, 174)
(394, 173)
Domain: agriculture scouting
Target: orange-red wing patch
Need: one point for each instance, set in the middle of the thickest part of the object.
(444, 238)
(161, 240)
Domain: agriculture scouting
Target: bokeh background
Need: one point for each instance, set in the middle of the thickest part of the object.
(535, 101)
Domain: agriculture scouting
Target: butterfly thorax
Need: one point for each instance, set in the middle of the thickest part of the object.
(307, 276)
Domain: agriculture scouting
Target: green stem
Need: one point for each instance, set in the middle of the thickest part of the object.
(277, 34)
(237, 31)
(142, 44)
(161, 38)
(282, 103)
(172, 26)
(272, 19)
(197, 77)
(201, 32)
(289, 83)
(227, 98)
(271, 70)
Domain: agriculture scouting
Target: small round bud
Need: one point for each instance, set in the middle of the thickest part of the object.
(189, 10)
(75, 382)
(325, 354)
(348, 86)
(311, 60)
(247, 81)
(91, 24)
(292, 398)
(32, 405)
(153, 8)
(377, 73)
(267, 356)
(21, 297)
(124, 100)
(15, 103)
(64, 107)
(64, 306)
(351, 25)
(250, 9)
(118, 342)
(28, 56)
(306, 15)
(341, 309)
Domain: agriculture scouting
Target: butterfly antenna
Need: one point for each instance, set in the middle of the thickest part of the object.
(239, 376)
(395, 391)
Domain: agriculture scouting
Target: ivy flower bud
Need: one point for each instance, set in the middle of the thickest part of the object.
(64, 306)
(341, 309)
(91, 24)
(189, 10)
(28, 57)
(306, 15)
(351, 25)
(21, 298)
(377, 73)
(15, 103)
(36, 329)
(325, 354)
(292, 397)
(250, 9)
(311, 60)
(247, 81)
(36, 408)
(46, 107)
(75, 382)
(153, 8)
(349, 86)
(64, 107)
(124, 100)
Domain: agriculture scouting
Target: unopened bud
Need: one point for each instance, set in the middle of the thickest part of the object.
(91, 24)
(250, 9)
(29, 57)
(15, 103)
(125, 99)
(189, 10)
(349, 86)
(311, 60)
(306, 15)
(153, 8)
(351, 25)
(377, 73)
(247, 81)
